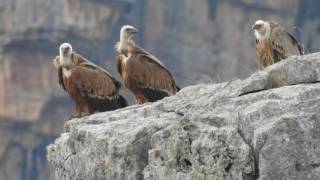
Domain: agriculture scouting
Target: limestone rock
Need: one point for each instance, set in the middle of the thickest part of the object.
(257, 128)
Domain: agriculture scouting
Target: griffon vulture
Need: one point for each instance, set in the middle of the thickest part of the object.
(142, 73)
(273, 43)
(92, 88)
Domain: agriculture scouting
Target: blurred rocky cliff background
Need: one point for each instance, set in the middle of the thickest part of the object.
(200, 41)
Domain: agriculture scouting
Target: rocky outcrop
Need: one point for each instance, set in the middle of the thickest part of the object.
(264, 127)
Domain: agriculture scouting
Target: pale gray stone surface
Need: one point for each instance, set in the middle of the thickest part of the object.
(265, 127)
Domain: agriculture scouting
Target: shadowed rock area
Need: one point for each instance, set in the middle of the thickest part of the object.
(242, 129)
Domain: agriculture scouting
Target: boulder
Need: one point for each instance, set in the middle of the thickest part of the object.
(264, 127)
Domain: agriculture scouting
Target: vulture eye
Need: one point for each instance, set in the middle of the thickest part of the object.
(131, 31)
(257, 26)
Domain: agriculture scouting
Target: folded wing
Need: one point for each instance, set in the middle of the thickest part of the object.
(284, 44)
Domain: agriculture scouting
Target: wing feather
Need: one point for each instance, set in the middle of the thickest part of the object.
(284, 44)
(92, 81)
(119, 63)
(89, 64)
(146, 72)
(56, 64)
(149, 56)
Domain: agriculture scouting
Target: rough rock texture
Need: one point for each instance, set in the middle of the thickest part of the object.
(264, 127)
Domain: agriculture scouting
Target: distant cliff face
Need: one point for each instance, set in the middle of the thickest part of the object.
(30, 40)
(199, 41)
(264, 127)
(212, 38)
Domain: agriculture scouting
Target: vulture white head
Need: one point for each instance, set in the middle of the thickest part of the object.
(261, 29)
(65, 51)
(127, 32)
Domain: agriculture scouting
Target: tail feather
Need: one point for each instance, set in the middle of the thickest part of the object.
(121, 101)
(178, 88)
(153, 95)
(101, 105)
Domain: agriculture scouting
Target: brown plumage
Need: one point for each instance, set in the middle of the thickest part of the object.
(273, 43)
(142, 73)
(92, 88)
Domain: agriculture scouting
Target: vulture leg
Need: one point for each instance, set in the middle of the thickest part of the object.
(75, 115)
(78, 113)
(139, 99)
(83, 114)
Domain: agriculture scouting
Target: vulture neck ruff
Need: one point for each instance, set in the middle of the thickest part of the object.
(66, 61)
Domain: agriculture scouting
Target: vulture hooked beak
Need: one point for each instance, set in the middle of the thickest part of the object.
(65, 50)
(133, 31)
(256, 26)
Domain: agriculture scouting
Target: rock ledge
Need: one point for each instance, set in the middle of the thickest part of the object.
(264, 127)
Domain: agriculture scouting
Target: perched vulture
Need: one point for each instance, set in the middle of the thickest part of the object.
(142, 73)
(273, 43)
(92, 88)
